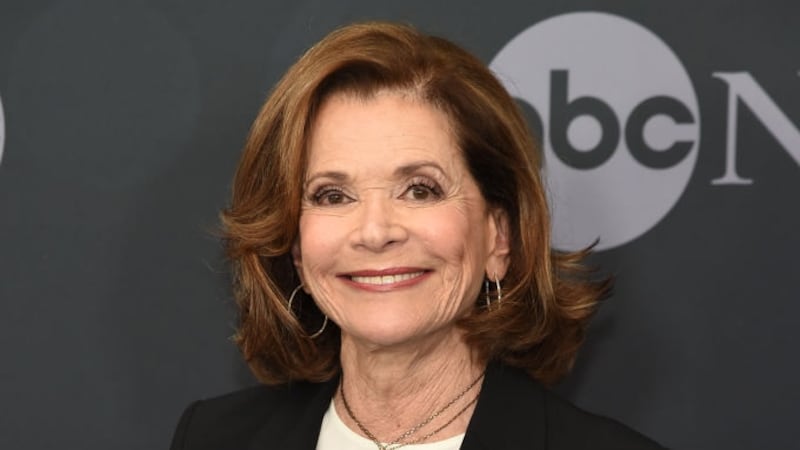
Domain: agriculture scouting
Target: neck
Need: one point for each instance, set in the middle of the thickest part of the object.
(391, 390)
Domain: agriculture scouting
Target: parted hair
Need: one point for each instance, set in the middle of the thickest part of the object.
(548, 296)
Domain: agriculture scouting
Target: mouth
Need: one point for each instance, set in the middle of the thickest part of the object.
(385, 279)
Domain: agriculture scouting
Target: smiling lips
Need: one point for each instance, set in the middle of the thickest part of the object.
(385, 279)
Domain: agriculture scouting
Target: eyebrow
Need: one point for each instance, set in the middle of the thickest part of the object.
(401, 171)
(409, 169)
(331, 174)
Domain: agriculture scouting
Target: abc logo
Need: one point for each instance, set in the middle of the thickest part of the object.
(619, 122)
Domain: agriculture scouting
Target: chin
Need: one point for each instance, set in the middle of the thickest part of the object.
(388, 333)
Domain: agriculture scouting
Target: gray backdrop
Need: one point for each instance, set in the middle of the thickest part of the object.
(123, 121)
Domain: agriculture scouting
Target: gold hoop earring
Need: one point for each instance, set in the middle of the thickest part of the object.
(289, 306)
(498, 294)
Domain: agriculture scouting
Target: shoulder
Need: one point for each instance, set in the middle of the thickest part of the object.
(526, 411)
(570, 427)
(236, 419)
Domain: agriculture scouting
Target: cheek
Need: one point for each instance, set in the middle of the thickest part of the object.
(456, 238)
(321, 244)
(321, 239)
(456, 234)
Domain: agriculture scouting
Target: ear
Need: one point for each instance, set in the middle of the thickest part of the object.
(499, 246)
(297, 259)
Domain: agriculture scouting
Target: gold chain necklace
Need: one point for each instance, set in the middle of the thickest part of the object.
(397, 443)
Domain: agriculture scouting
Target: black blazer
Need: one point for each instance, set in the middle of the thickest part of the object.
(513, 412)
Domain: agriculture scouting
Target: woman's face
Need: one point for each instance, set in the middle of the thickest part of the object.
(395, 237)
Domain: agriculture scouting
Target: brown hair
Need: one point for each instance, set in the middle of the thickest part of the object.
(547, 296)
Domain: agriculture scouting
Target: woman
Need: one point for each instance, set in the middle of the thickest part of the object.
(390, 240)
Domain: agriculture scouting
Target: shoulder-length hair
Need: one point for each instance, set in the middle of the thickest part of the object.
(547, 296)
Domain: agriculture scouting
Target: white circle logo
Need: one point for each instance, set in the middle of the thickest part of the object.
(619, 121)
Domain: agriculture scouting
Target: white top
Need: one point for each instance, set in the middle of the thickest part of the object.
(334, 435)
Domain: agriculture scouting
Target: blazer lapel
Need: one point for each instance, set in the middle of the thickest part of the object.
(297, 425)
(510, 413)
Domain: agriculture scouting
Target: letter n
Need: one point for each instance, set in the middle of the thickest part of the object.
(742, 86)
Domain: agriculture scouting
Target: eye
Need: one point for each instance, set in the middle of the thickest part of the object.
(330, 196)
(422, 190)
(419, 192)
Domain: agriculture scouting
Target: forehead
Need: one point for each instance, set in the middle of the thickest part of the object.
(381, 128)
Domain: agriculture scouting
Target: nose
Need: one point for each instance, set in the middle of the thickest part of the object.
(379, 224)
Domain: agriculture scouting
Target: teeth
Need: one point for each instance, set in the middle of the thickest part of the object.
(386, 279)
